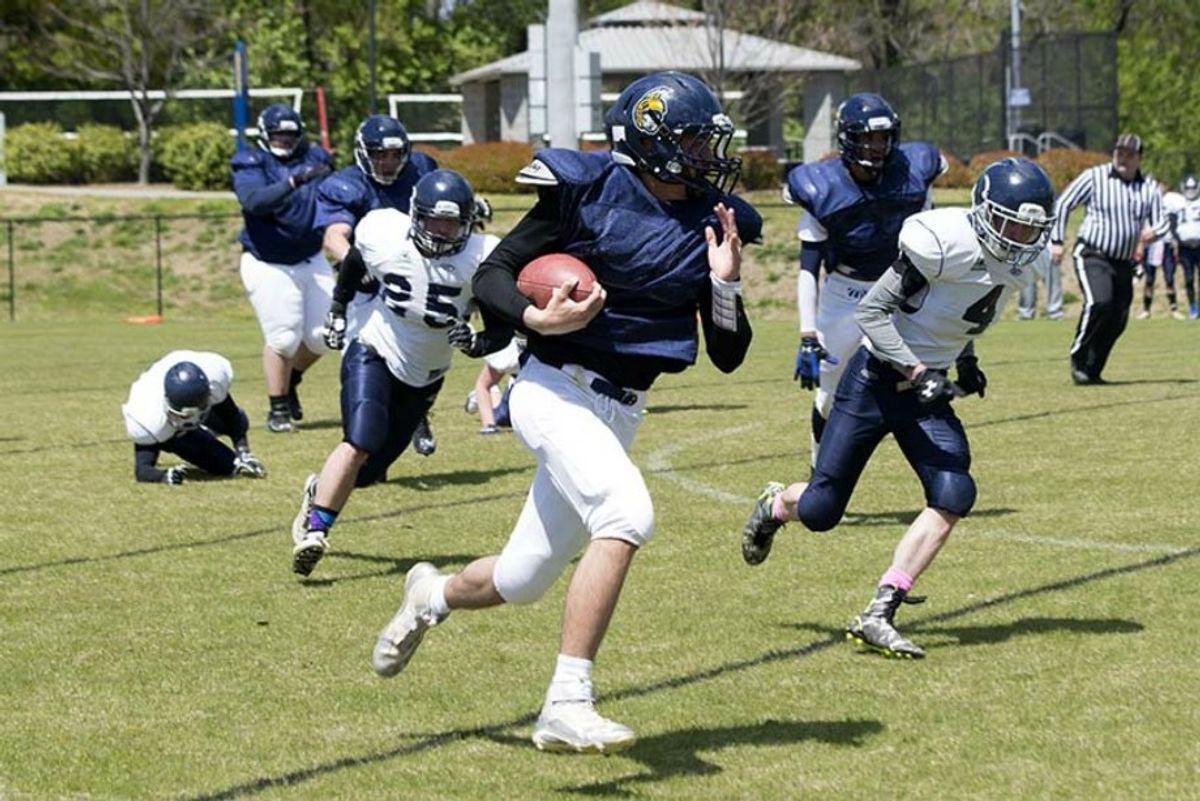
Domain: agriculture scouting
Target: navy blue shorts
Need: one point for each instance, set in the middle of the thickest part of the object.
(872, 401)
(379, 412)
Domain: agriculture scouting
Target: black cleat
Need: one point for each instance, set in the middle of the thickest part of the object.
(759, 532)
(279, 422)
(423, 439)
(295, 410)
(874, 628)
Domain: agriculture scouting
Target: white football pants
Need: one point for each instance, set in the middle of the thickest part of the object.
(585, 487)
(837, 332)
(290, 301)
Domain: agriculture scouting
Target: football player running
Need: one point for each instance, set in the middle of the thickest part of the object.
(956, 270)
(383, 175)
(1184, 210)
(394, 364)
(283, 269)
(654, 221)
(180, 405)
(853, 208)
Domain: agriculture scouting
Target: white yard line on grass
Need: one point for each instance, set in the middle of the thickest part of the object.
(658, 462)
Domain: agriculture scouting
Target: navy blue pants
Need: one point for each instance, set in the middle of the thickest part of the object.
(201, 447)
(379, 412)
(872, 401)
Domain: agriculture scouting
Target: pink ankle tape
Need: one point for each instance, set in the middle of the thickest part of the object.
(897, 578)
(778, 510)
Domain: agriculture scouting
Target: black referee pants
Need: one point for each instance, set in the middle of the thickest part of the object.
(1107, 286)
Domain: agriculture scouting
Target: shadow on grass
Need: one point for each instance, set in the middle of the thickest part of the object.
(694, 407)
(434, 481)
(1003, 632)
(906, 517)
(393, 566)
(680, 748)
(1139, 402)
(677, 753)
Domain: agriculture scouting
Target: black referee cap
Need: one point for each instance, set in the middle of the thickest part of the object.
(1128, 141)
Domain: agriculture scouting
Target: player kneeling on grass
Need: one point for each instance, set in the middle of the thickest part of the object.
(956, 270)
(180, 405)
(394, 367)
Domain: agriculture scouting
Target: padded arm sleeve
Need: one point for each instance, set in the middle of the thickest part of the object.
(145, 457)
(495, 282)
(811, 256)
(349, 277)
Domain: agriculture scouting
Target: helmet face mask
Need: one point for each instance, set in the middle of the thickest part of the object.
(1012, 210)
(187, 395)
(671, 125)
(443, 213)
(1190, 187)
(280, 130)
(868, 131)
(381, 148)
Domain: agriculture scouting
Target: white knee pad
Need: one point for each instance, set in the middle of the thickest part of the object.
(284, 341)
(626, 514)
(522, 578)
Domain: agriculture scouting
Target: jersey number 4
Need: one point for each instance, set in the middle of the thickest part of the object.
(440, 312)
(982, 311)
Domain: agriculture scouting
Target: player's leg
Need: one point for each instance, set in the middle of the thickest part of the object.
(1168, 273)
(1148, 276)
(201, 448)
(1027, 298)
(840, 336)
(1054, 292)
(934, 443)
(1095, 276)
(1118, 313)
(855, 428)
(1190, 257)
(316, 280)
(279, 306)
(488, 377)
(407, 407)
(365, 395)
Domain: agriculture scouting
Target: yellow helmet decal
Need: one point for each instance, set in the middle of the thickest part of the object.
(651, 110)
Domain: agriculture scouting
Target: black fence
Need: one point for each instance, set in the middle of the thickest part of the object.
(961, 104)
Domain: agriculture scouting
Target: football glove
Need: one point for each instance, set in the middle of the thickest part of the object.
(483, 211)
(314, 173)
(462, 336)
(334, 332)
(175, 475)
(247, 465)
(971, 380)
(933, 386)
(808, 362)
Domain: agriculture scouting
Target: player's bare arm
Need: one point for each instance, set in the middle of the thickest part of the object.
(337, 240)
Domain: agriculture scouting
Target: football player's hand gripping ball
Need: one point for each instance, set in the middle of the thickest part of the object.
(808, 362)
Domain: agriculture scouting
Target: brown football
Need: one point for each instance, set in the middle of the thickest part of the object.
(546, 273)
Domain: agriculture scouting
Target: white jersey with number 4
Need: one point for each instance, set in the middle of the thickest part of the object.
(145, 412)
(1186, 214)
(419, 298)
(967, 287)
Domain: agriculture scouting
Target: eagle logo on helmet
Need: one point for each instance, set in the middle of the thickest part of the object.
(650, 110)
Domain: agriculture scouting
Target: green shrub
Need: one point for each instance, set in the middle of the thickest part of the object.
(981, 161)
(489, 166)
(106, 154)
(760, 170)
(956, 176)
(37, 153)
(195, 156)
(1063, 165)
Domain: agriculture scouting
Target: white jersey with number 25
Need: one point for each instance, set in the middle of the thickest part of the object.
(419, 297)
(967, 287)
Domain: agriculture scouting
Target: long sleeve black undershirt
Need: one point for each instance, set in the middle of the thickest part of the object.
(537, 234)
(145, 457)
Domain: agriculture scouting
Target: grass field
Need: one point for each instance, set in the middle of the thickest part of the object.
(156, 644)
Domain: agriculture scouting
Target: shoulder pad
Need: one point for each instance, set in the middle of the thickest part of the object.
(343, 188)
(925, 160)
(250, 157)
(559, 166)
(749, 221)
(422, 162)
(808, 184)
(921, 244)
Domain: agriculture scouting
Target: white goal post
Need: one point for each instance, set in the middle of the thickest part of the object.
(394, 101)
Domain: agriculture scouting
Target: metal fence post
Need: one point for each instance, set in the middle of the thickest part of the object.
(158, 260)
(12, 277)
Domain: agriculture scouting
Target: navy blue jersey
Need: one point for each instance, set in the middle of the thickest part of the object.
(649, 255)
(863, 220)
(278, 220)
(348, 194)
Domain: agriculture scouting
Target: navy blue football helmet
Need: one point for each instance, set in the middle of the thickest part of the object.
(859, 116)
(188, 394)
(381, 148)
(671, 125)
(1190, 187)
(1012, 209)
(281, 123)
(443, 213)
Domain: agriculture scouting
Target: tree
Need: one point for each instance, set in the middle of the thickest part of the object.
(140, 45)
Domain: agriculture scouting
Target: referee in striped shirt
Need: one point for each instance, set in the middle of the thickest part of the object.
(1124, 211)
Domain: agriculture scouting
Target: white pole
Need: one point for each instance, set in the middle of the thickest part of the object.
(3, 170)
(1014, 75)
(562, 31)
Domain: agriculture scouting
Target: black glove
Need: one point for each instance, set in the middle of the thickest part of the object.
(483, 211)
(462, 336)
(334, 332)
(934, 386)
(175, 475)
(971, 379)
(247, 465)
(808, 362)
(314, 173)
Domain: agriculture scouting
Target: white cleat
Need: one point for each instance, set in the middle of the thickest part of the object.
(398, 642)
(300, 524)
(309, 551)
(573, 724)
